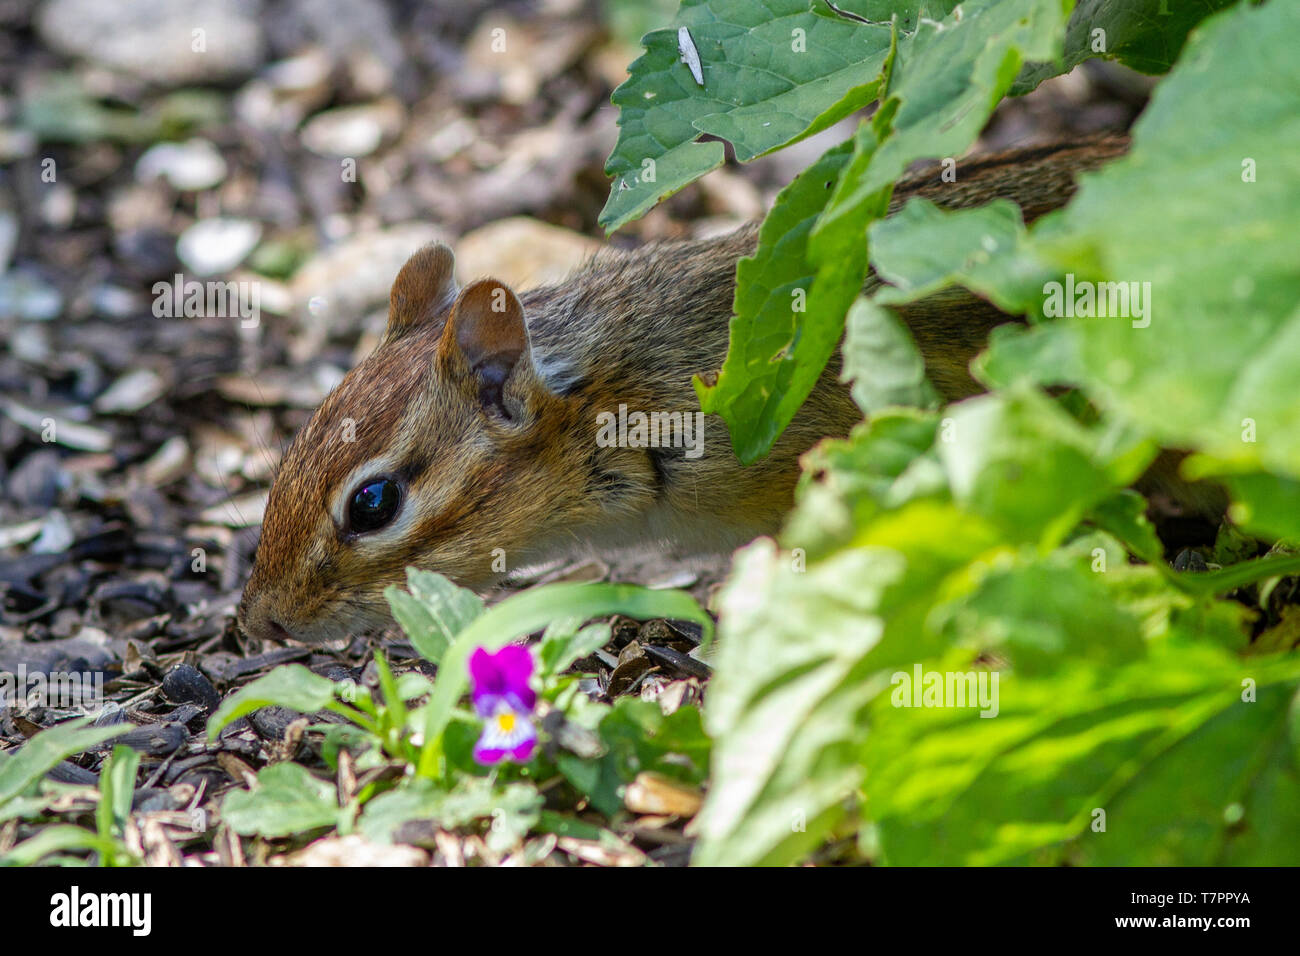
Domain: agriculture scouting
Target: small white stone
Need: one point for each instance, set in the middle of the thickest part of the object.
(25, 295)
(212, 246)
(56, 535)
(188, 167)
(351, 131)
(132, 392)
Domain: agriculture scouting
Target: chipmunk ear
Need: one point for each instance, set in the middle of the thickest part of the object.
(424, 290)
(487, 337)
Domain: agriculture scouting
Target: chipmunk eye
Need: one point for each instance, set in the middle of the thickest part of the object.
(373, 505)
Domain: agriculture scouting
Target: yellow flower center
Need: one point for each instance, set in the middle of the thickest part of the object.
(506, 722)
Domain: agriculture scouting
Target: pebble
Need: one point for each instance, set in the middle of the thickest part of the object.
(169, 463)
(353, 130)
(522, 252)
(132, 392)
(30, 343)
(59, 206)
(148, 252)
(56, 534)
(25, 295)
(157, 40)
(35, 482)
(334, 289)
(187, 167)
(213, 246)
(16, 143)
(115, 302)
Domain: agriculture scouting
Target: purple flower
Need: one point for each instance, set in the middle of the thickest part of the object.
(502, 697)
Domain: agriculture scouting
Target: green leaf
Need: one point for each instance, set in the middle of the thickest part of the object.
(57, 839)
(1146, 35)
(434, 611)
(785, 704)
(413, 684)
(774, 72)
(1020, 461)
(883, 463)
(1163, 747)
(638, 737)
(880, 11)
(923, 248)
(514, 809)
(882, 361)
(288, 800)
(767, 374)
(1124, 516)
(1241, 811)
(949, 75)
(1042, 355)
(290, 685)
(943, 82)
(40, 755)
(801, 655)
(1263, 504)
(116, 788)
(1216, 364)
(1041, 614)
(557, 653)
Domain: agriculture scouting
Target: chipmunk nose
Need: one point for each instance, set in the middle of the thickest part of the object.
(256, 622)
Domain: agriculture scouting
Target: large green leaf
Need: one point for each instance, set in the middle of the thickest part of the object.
(803, 651)
(949, 75)
(773, 73)
(943, 82)
(1215, 366)
(1020, 461)
(1008, 615)
(1165, 754)
(1146, 35)
(768, 370)
(786, 705)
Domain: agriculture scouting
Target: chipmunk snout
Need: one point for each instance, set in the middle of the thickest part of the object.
(255, 620)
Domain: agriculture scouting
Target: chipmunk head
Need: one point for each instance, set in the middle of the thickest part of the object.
(444, 450)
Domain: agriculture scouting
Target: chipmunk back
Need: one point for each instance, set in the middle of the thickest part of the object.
(491, 431)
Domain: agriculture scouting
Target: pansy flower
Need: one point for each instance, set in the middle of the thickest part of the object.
(502, 697)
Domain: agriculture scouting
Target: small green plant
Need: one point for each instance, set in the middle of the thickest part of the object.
(25, 794)
(422, 756)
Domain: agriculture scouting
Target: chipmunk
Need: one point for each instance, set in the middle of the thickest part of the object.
(468, 442)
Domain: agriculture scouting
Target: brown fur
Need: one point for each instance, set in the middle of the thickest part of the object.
(514, 472)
